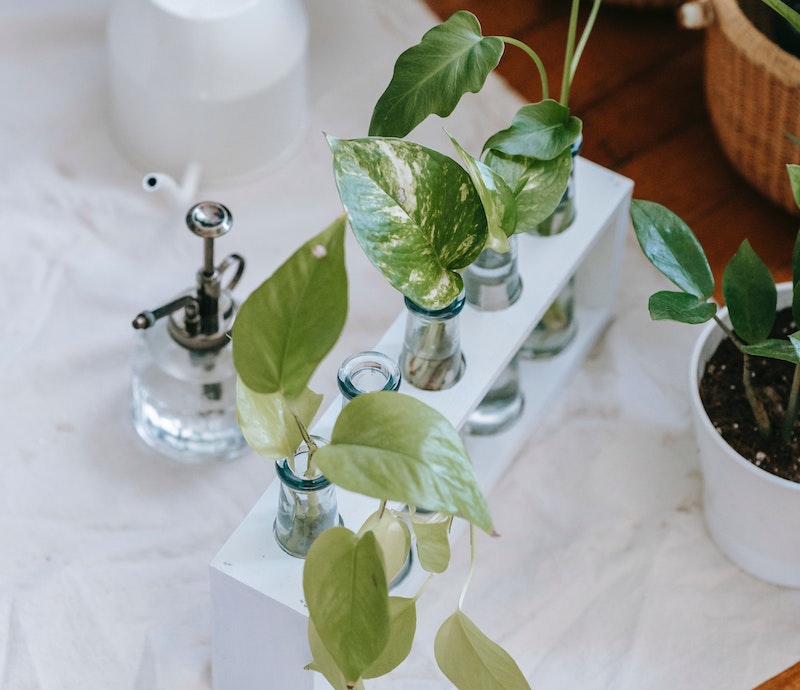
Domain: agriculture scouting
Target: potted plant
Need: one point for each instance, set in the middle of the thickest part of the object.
(745, 383)
(385, 445)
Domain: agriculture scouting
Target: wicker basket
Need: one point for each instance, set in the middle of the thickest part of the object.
(753, 95)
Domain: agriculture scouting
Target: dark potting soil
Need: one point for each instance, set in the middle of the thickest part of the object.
(722, 393)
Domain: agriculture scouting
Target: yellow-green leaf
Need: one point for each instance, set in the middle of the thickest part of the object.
(403, 613)
(471, 661)
(393, 537)
(433, 544)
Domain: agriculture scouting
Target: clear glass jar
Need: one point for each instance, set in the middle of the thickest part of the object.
(366, 372)
(431, 358)
(493, 283)
(306, 503)
(184, 402)
(557, 327)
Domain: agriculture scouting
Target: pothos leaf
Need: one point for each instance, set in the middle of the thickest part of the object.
(433, 543)
(537, 185)
(750, 295)
(672, 248)
(471, 661)
(394, 447)
(291, 321)
(323, 662)
(393, 537)
(268, 423)
(452, 59)
(496, 196)
(402, 627)
(540, 130)
(415, 213)
(345, 588)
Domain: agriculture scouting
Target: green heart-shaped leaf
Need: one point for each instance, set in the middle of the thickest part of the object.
(452, 59)
(750, 295)
(268, 423)
(393, 537)
(471, 661)
(433, 543)
(291, 321)
(540, 130)
(680, 306)
(402, 627)
(415, 213)
(672, 248)
(538, 185)
(394, 447)
(497, 198)
(347, 596)
(323, 662)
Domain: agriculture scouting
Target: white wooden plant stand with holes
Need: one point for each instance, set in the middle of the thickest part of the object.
(258, 614)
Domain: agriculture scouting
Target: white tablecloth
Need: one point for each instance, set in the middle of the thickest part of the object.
(604, 577)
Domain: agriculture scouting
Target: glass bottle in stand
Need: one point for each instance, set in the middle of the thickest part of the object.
(557, 327)
(184, 381)
(367, 372)
(431, 357)
(493, 283)
(306, 502)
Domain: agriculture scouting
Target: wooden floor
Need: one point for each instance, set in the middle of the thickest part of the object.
(639, 92)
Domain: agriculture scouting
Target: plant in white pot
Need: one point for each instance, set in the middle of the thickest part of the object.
(384, 445)
(745, 383)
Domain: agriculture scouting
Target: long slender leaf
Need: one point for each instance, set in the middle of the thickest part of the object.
(750, 295)
(789, 14)
(471, 661)
(452, 59)
(394, 447)
(291, 321)
(672, 248)
(415, 213)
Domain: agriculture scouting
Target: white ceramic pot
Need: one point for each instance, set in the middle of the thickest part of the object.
(215, 84)
(753, 516)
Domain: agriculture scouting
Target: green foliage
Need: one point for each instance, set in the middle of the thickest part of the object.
(393, 537)
(750, 295)
(452, 59)
(280, 334)
(402, 628)
(415, 213)
(392, 446)
(433, 542)
(680, 306)
(789, 14)
(539, 130)
(471, 661)
(672, 248)
(345, 588)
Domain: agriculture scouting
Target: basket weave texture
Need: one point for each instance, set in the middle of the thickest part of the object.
(752, 90)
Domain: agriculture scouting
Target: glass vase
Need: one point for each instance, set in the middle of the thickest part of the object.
(557, 327)
(493, 283)
(431, 357)
(367, 372)
(306, 503)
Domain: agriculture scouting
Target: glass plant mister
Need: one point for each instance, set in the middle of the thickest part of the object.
(431, 357)
(557, 327)
(367, 372)
(306, 502)
(184, 381)
(492, 283)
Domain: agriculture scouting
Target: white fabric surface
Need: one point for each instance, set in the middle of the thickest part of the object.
(604, 576)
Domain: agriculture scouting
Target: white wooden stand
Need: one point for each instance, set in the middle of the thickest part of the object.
(258, 615)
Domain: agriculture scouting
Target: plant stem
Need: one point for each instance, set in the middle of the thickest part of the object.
(311, 469)
(759, 411)
(536, 59)
(791, 407)
(471, 567)
(582, 44)
(566, 80)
